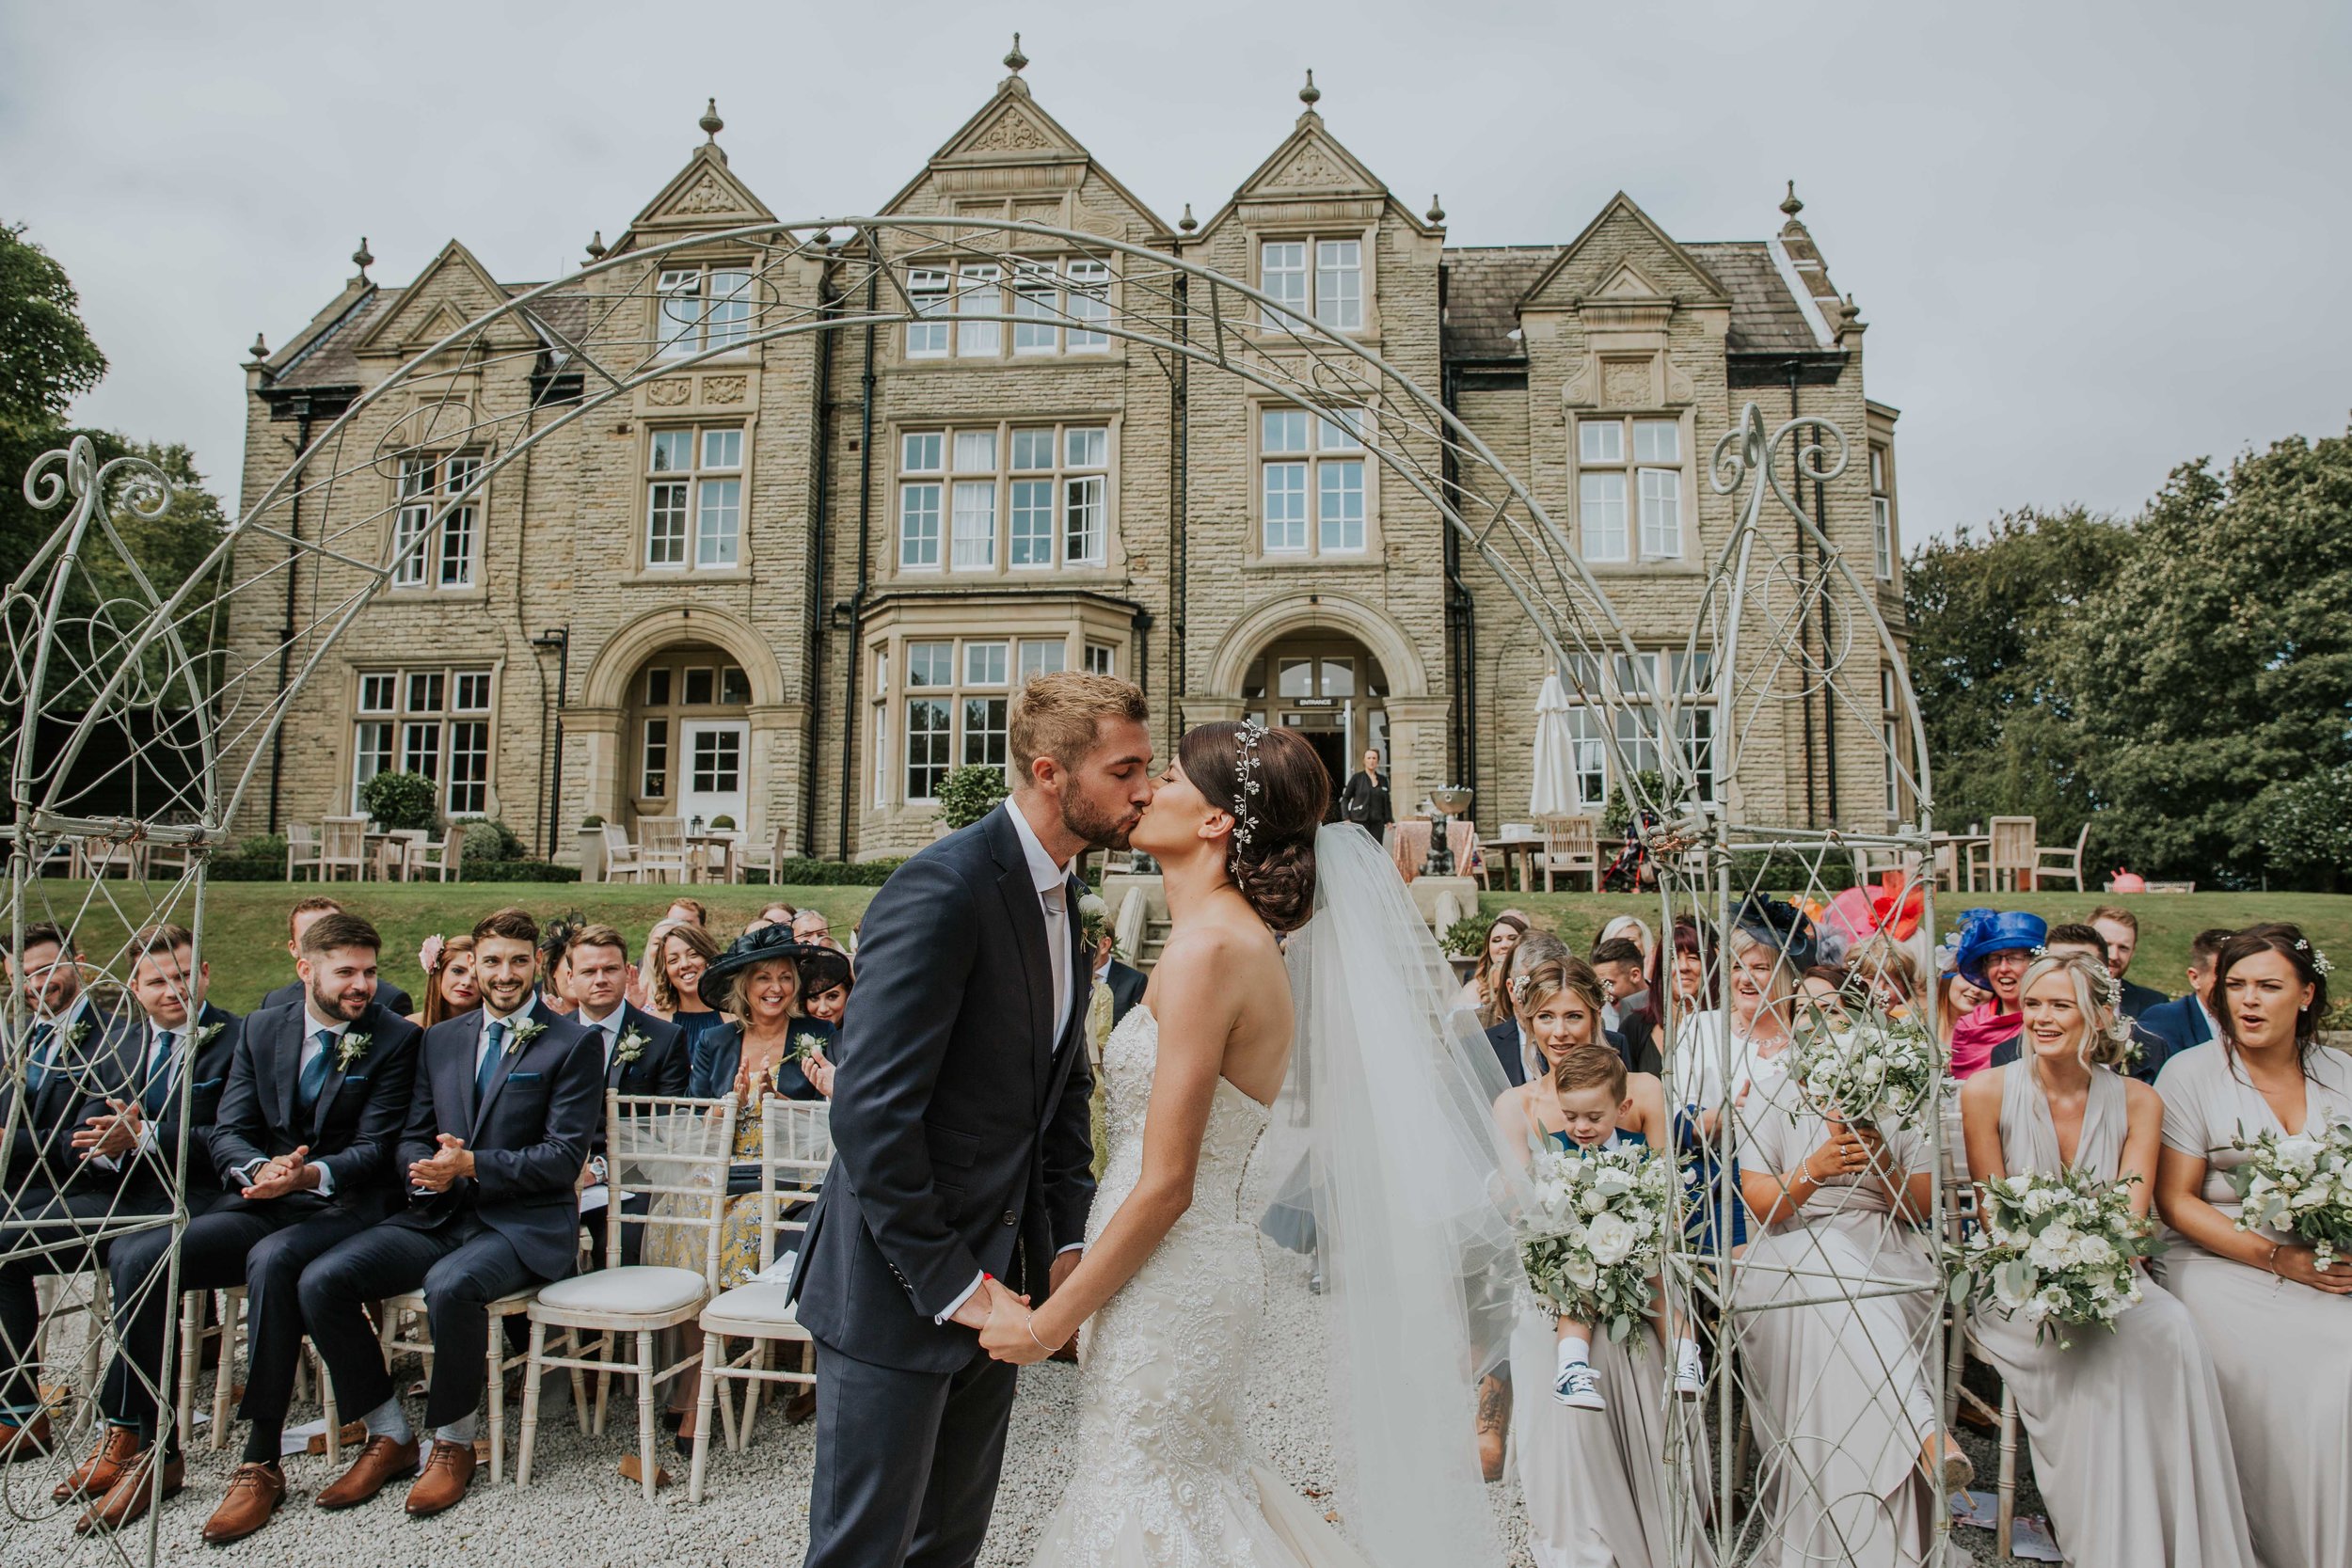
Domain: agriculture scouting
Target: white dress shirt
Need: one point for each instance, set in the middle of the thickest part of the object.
(610, 1026)
(482, 1038)
(312, 1026)
(1052, 883)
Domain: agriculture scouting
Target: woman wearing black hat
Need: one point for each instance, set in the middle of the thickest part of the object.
(825, 981)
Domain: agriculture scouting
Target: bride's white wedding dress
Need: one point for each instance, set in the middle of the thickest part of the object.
(1165, 1476)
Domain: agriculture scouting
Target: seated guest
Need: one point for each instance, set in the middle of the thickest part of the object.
(1617, 962)
(642, 1054)
(1822, 990)
(2064, 940)
(810, 927)
(682, 950)
(1631, 929)
(2121, 927)
(683, 911)
(72, 1053)
(2277, 1325)
(555, 964)
(1512, 1047)
(767, 1047)
(1883, 970)
(1995, 947)
(770, 915)
(504, 1106)
(448, 988)
(1503, 933)
(826, 979)
(1956, 997)
(391, 997)
(2131, 1450)
(296, 1159)
(2170, 1028)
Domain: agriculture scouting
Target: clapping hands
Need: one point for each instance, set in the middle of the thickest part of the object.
(450, 1163)
(288, 1172)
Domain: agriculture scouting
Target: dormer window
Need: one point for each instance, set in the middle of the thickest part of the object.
(703, 310)
(1322, 279)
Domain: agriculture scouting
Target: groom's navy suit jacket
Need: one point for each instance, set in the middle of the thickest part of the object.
(958, 1118)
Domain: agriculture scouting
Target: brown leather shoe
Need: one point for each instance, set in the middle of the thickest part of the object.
(255, 1490)
(125, 1502)
(98, 1474)
(29, 1441)
(380, 1463)
(1494, 1424)
(446, 1474)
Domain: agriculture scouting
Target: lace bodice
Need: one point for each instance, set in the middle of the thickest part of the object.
(1235, 1124)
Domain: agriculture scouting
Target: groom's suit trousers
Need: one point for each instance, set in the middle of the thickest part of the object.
(912, 1477)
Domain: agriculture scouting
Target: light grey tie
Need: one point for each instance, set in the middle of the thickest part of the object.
(1056, 899)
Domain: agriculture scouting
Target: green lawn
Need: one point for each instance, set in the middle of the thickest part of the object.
(2167, 920)
(245, 923)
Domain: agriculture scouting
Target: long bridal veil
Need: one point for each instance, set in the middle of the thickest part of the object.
(1398, 1085)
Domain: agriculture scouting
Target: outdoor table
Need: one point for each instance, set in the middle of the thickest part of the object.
(1963, 847)
(1518, 849)
(388, 852)
(1408, 844)
(698, 847)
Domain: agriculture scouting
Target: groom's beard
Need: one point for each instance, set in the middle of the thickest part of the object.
(1098, 829)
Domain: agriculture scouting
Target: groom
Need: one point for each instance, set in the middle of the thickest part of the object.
(960, 1122)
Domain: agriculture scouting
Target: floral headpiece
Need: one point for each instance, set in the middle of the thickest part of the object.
(2319, 958)
(1245, 785)
(429, 956)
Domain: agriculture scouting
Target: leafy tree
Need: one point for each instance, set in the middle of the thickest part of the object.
(402, 803)
(47, 358)
(2216, 668)
(1987, 613)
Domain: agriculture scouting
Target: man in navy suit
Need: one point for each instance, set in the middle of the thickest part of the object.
(388, 996)
(959, 1109)
(2181, 1026)
(642, 1054)
(506, 1106)
(71, 1049)
(2121, 927)
(296, 1159)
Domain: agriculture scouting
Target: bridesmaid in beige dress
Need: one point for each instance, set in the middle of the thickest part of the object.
(2278, 1327)
(2130, 1446)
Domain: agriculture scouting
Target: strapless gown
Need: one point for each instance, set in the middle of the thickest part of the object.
(1166, 1478)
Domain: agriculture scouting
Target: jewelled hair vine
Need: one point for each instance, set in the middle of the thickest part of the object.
(1245, 786)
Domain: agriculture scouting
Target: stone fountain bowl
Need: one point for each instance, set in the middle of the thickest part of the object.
(1453, 801)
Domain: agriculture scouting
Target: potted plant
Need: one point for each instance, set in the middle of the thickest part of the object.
(970, 793)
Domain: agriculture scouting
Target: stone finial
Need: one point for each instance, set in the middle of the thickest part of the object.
(1310, 94)
(1187, 223)
(260, 351)
(1789, 204)
(1016, 61)
(596, 246)
(710, 122)
(1436, 211)
(363, 258)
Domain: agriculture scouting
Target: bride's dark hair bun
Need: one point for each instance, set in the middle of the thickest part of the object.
(1275, 869)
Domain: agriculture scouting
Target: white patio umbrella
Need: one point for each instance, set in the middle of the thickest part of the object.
(1554, 794)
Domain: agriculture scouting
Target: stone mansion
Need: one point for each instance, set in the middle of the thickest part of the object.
(796, 584)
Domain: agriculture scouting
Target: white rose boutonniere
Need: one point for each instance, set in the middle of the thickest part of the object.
(523, 1034)
(76, 1031)
(805, 1046)
(351, 1049)
(630, 1046)
(204, 1035)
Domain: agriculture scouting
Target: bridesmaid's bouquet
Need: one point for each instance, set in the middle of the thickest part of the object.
(1867, 1069)
(2055, 1251)
(1594, 1229)
(2300, 1184)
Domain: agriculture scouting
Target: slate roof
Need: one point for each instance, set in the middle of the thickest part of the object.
(1484, 284)
(327, 359)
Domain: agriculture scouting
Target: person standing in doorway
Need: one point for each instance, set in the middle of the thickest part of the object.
(1365, 801)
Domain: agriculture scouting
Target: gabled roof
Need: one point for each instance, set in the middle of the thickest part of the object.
(1012, 128)
(703, 195)
(1622, 209)
(1312, 164)
(1486, 284)
(453, 289)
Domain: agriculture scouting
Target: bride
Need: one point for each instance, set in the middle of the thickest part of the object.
(1395, 1086)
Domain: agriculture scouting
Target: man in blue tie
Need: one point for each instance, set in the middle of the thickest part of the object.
(69, 1046)
(506, 1107)
(298, 1157)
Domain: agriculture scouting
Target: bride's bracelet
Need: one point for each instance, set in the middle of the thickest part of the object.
(1031, 1326)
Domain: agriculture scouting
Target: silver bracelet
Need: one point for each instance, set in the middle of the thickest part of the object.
(1031, 1326)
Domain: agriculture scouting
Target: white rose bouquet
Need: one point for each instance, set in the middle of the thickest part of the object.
(2301, 1184)
(2055, 1251)
(1593, 1229)
(1867, 1069)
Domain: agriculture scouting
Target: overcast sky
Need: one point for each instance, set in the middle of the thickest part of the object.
(2090, 240)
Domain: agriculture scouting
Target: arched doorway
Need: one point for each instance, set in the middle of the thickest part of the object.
(688, 737)
(1330, 689)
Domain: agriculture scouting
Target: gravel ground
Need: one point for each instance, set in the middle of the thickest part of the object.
(579, 1513)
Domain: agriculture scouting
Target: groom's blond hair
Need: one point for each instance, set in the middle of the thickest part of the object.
(1059, 714)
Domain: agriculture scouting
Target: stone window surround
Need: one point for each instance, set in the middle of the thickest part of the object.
(1257, 554)
(640, 571)
(951, 265)
(1258, 234)
(348, 731)
(475, 592)
(1885, 521)
(1002, 572)
(1686, 419)
(959, 618)
(704, 265)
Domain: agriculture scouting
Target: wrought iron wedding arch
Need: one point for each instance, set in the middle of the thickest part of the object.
(171, 696)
